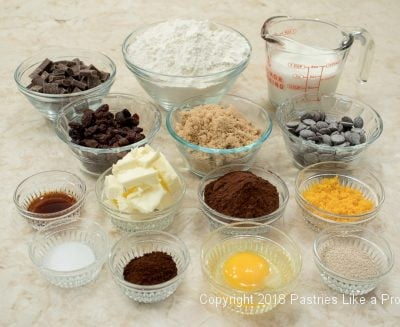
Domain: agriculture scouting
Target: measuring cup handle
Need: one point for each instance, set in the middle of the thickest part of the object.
(367, 49)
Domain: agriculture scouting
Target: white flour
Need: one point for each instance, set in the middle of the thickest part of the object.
(188, 48)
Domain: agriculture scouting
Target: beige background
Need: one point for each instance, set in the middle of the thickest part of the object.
(29, 145)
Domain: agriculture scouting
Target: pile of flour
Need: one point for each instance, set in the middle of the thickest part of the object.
(188, 48)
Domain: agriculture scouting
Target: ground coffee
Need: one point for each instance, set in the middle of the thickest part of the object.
(150, 269)
(242, 194)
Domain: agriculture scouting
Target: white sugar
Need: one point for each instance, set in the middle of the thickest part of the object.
(68, 256)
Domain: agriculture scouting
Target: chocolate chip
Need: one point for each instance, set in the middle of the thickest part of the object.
(354, 138)
(292, 124)
(337, 139)
(308, 122)
(358, 122)
(305, 133)
(306, 115)
(326, 139)
(322, 124)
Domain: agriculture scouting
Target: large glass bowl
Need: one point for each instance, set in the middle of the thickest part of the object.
(135, 245)
(169, 91)
(132, 222)
(44, 182)
(253, 237)
(202, 160)
(50, 104)
(93, 160)
(305, 152)
(377, 247)
(73, 230)
(217, 219)
(349, 175)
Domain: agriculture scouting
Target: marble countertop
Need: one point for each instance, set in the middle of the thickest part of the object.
(29, 145)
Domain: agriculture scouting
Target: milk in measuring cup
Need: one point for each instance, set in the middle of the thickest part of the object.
(308, 70)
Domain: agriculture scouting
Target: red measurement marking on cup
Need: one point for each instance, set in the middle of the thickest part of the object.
(275, 79)
(288, 31)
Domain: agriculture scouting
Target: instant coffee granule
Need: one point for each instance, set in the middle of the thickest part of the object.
(150, 269)
(242, 194)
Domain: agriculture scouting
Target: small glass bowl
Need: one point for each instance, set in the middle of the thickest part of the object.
(217, 219)
(305, 152)
(44, 182)
(252, 237)
(95, 161)
(132, 222)
(377, 247)
(348, 175)
(50, 104)
(137, 244)
(73, 230)
(169, 91)
(201, 159)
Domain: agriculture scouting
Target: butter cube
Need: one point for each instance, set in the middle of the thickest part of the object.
(137, 176)
(127, 162)
(145, 156)
(112, 187)
(167, 173)
(125, 205)
(149, 200)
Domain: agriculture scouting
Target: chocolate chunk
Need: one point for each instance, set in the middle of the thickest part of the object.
(36, 88)
(50, 88)
(71, 76)
(42, 67)
(100, 129)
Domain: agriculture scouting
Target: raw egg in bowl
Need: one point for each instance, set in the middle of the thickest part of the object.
(252, 266)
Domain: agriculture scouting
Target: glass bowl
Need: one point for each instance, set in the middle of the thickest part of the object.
(201, 159)
(139, 243)
(377, 247)
(349, 175)
(274, 244)
(73, 230)
(132, 222)
(217, 219)
(50, 104)
(169, 91)
(305, 152)
(95, 161)
(44, 182)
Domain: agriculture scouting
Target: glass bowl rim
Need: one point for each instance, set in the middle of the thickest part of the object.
(43, 216)
(255, 225)
(182, 247)
(70, 106)
(99, 190)
(263, 137)
(41, 233)
(369, 141)
(306, 205)
(271, 215)
(47, 96)
(343, 230)
(126, 43)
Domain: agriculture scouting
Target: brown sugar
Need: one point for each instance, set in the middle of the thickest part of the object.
(215, 126)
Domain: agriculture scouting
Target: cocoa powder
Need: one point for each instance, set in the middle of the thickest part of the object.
(150, 269)
(242, 194)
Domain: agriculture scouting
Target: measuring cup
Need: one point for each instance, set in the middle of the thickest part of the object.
(308, 55)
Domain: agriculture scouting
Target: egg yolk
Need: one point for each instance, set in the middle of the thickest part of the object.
(245, 271)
